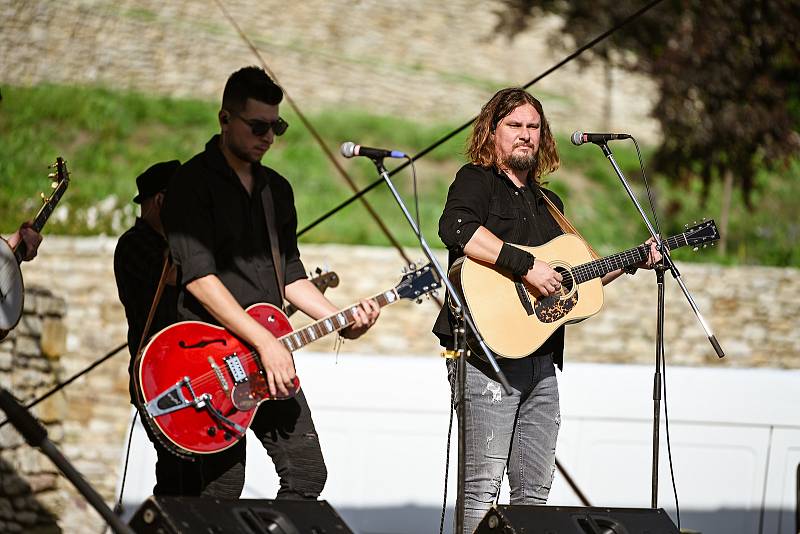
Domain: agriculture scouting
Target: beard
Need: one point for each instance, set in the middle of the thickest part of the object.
(520, 162)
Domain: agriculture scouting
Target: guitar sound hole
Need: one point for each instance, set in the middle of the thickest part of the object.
(567, 282)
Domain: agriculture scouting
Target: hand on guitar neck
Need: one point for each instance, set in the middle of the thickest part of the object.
(26, 241)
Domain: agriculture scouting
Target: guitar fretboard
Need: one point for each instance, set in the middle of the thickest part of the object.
(48, 208)
(333, 323)
(603, 266)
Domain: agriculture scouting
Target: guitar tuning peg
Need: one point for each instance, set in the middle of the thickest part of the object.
(52, 176)
(53, 185)
(43, 197)
(695, 249)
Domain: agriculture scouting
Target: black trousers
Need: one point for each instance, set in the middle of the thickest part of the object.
(286, 431)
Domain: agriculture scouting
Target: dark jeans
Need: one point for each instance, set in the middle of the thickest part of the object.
(286, 431)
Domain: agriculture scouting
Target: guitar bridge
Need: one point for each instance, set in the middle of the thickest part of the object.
(173, 399)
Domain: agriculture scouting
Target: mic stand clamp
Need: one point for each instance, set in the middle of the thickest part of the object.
(665, 264)
(459, 310)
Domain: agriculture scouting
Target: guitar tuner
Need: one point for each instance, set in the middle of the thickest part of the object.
(53, 185)
(44, 198)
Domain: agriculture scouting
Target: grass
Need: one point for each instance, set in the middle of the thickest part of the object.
(109, 137)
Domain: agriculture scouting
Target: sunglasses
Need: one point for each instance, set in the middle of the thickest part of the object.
(260, 128)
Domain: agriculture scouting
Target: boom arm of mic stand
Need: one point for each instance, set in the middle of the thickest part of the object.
(501, 377)
(664, 252)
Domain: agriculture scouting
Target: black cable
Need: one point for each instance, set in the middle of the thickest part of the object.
(662, 363)
(466, 125)
(447, 450)
(118, 506)
(669, 445)
(74, 377)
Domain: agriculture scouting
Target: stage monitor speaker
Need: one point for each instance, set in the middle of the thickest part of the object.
(511, 519)
(205, 515)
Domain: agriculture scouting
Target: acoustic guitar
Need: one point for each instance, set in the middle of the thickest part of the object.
(514, 322)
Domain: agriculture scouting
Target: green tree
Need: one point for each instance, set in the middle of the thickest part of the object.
(726, 71)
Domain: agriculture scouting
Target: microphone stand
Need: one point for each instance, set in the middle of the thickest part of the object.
(460, 311)
(36, 436)
(665, 264)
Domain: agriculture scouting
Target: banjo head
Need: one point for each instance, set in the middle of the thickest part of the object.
(12, 291)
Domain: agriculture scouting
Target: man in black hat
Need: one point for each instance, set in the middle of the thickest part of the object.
(138, 262)
(139, 257)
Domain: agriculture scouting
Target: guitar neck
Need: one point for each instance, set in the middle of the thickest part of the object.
(626, 258)
(333, 323)
(47, 209)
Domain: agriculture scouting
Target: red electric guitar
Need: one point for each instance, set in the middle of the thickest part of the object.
(200, 385)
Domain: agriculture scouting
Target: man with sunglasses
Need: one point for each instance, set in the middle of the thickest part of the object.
(216, 210)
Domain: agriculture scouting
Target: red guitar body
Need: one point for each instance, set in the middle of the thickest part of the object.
(200, 385)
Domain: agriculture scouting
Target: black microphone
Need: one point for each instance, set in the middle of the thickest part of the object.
(350, 149)
(578, 138)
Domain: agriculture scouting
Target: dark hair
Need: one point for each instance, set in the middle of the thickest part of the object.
(480, 146)
(250, 82)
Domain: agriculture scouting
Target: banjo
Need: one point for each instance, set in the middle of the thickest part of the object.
(12, 290)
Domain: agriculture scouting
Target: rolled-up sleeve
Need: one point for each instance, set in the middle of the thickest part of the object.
(466, 209)
(189, 225)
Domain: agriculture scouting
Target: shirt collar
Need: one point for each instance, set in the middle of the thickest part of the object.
(216, 160)
(532, 185)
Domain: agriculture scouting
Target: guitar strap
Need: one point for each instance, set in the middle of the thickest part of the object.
(567, 226)
(277, 258)
(156, 299)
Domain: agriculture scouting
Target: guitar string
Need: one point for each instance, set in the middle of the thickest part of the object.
(592, 269)
(210, 376)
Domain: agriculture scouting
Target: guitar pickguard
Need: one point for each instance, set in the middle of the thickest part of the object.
(551, 309)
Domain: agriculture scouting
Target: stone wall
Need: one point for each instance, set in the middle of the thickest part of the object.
(31, 489)
(421, 59)
(753, 311)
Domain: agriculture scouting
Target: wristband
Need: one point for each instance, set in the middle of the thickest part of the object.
(514, 259)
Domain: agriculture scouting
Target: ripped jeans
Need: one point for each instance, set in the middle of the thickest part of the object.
(517, 430)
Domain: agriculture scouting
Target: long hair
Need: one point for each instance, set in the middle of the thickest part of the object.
(480, 146)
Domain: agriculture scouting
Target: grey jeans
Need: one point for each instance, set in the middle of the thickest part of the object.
(517, 431)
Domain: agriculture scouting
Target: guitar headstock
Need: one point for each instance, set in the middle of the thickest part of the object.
(60, 180)
(701, 234)
(324, 279)
(418, 282)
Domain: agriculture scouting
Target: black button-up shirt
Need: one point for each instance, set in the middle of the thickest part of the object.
(138, 261)
(214, 226)
(487, 197)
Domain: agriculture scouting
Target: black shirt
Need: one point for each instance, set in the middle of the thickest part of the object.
(214, 226)
(487, 197)
(138, 261)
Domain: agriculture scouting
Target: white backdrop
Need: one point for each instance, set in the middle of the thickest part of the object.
(382, 421)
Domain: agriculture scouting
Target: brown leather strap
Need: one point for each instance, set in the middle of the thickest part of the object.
(153, 306)
(277, 257)
(567, 226)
